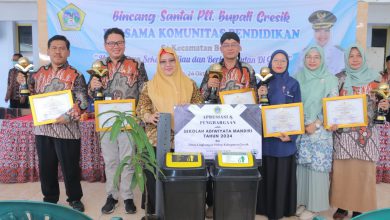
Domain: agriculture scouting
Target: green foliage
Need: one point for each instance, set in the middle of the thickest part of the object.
(143, 155)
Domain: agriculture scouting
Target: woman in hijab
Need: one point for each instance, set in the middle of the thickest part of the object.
(356, 149)
(315, 147)
(277, 195)
(169, 87)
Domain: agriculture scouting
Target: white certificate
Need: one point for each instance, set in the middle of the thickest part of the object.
(240, 96)
(47, 107)
(345, 111)
(106, 120)
(285, 118)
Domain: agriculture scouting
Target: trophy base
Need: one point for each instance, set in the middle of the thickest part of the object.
(98, 98)
(380, 120)
(263, 102)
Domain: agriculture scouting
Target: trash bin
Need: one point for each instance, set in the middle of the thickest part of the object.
(184, 186)
(235, 182)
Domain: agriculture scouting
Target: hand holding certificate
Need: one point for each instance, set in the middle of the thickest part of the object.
(345, 111)
(47, 107)
(282, 120)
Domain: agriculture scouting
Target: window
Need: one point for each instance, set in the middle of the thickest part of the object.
(24, 40)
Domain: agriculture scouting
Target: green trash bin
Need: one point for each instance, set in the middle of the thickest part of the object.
(25, 210)
(379, 214)
(235, 183)
(184, 186)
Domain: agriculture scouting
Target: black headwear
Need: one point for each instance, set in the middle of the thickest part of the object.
(229, 35)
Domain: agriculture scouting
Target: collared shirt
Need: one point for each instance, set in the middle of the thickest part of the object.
(240, 76)
(45, 80)
(123, 80)
(12, 86)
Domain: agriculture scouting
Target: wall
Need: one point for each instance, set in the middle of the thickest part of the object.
(13, 13)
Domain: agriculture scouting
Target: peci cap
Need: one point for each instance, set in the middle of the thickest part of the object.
(229, 35)
(322, 19)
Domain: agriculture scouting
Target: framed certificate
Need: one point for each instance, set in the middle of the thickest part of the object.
(105, 121)
(47, 107)
(285, 118)
(345, 111)
(239, 96)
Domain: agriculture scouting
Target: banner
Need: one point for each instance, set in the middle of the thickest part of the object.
(193, 28)
(212, 128)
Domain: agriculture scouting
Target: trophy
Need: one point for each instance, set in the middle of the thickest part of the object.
(264, 77)
(381, 93)
(24, 66)
(99, 72)
(215, 72)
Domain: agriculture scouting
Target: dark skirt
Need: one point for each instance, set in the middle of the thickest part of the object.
(277, 194)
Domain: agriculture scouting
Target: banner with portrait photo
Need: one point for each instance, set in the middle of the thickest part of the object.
(193, 28)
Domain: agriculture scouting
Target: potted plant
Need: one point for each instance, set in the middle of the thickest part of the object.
(143, 156)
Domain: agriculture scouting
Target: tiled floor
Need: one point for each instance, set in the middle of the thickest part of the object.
(94, 198)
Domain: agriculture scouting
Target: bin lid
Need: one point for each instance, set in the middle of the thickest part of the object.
(235, 164)
(235, 159)
(180, 166)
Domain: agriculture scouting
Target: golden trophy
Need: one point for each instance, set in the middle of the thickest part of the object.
(24, 66)
(99, 71)
(215, 72)
(381, 93)
(264, 77)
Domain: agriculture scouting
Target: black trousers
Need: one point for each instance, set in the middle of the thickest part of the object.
(67, 153)
(16, 104)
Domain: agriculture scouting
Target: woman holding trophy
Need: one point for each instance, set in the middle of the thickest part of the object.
(278, 187)
(356, 149)
(315, 147)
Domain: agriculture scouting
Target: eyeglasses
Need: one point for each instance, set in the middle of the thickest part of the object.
(165, 62)
(117, 43)
(315, 58)
(233, 45)
(279, 61)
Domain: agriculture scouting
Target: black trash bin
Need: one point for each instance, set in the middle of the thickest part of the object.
(235, 183)
(184, 186)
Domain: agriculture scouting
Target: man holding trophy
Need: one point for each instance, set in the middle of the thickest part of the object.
(117, 77)
(17, 93)
(228, 74)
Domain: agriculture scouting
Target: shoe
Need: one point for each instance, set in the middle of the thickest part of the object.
(210, 212)
(307, 215)
(130, 207)
(77, 205)
(300, 210)
(110, 205)
(354, 214)
(340, 214)
(150, 217)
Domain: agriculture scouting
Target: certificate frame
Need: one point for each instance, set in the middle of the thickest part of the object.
(64, 96)
(223, 95)
(363, 113)
(106, 105)
(269, 110)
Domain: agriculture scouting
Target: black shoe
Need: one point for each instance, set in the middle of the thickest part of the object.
(130, 207)
(150, 217)
(77, 205)
(110, 205)
(354, 214)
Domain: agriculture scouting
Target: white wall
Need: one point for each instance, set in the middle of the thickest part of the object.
(7, 45)
(12, 13)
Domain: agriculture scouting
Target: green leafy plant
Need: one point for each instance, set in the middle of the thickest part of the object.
(143, 156)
